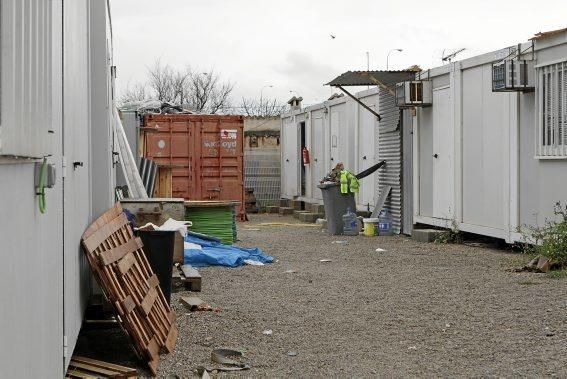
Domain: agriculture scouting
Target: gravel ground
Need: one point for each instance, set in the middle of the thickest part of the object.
(414, 310)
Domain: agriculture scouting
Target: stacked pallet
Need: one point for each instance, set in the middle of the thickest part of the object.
(81, 367)
(120, 266)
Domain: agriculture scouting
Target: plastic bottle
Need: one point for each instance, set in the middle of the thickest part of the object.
(385, 223)
(350, 223)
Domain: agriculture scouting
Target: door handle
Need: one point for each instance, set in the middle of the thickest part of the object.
(332, 158)
(315, 159)
(77, 164)
(364, 157)
(287, 160)
(435, 155)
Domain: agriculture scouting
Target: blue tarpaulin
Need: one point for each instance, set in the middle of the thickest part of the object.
(200, 252)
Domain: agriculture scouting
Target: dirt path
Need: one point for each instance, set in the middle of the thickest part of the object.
(414, 310)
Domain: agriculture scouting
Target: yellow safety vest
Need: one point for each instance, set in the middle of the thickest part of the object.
(349, 182)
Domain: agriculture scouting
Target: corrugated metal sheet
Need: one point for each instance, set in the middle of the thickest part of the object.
(390, 150)
(26, 78)
(365, 78)
(407, 167)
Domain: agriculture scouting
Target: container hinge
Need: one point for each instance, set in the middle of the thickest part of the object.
(65, 350)
(63, 166)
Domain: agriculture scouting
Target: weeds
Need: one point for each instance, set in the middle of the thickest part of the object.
(450, 235)
(551, 239)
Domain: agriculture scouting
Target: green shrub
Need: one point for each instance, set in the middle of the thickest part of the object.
(551, 239)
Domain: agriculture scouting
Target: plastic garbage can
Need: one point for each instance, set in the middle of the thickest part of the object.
(336, 204)
(158, 246)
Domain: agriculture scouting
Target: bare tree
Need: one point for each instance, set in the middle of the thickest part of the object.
(261, 107)
(137, 92)
(207, 93)
(201, 92)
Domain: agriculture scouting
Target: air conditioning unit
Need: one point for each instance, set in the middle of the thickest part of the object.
(414, 93)
(513, 75)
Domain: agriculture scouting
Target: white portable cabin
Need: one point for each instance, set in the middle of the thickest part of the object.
(492, 162)
(359, 130)
(56, 87)
(337, 130)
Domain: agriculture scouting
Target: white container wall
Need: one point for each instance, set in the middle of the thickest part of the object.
(476, 165)
(44, 279)
(339, 130)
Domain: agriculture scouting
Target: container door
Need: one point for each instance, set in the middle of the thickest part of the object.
(335, 124)
(318, 154)
(366, 156)
(221, 161)
(291, 161)
(172, 146)
(443, 163)
(76, 182)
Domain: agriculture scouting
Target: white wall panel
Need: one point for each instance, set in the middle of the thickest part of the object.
(25, 112)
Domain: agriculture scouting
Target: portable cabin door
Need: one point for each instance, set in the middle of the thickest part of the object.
(366, 154)
(290, 158)
(443, 155)
(335, 124)
(76, 180)
(318, 153)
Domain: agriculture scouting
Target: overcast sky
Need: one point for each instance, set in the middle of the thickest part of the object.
(288, 44)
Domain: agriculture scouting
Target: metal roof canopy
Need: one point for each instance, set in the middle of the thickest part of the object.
(384, 79)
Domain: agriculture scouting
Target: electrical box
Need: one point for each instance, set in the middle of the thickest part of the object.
(414, 93)
(513, 75)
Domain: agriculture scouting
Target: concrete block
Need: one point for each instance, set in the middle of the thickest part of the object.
(318, 208)
(425, 235)
(284, 202)
(309, 217)
(297, 205)
(296, 213)
(272, 209)
(286, 211)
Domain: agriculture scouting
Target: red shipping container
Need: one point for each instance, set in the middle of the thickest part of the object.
(205, 151)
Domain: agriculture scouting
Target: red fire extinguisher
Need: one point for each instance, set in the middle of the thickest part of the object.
(305, 154)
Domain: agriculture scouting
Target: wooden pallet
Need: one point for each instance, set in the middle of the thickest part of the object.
(191, 278)
(81, 367)
(120, 266)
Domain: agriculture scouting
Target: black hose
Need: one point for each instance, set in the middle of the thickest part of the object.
(370, 170)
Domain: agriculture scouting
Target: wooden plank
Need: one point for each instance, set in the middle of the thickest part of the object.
(94, 369)
(191, 302)
(149, 301)
(190, 272)
(171, 338)
(110, 256)
(126, 263)
(153, 281)
(128, 371)
(128, 304)
(92, 242)
(79, 374)
(153, 348)
(110, 214)
(381, 200)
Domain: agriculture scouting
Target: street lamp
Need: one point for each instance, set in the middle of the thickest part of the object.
(388, 56)
(262, 90)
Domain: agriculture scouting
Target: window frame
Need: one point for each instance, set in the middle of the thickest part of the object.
(551, 110)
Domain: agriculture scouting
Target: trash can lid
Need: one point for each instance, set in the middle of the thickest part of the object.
(327, 185)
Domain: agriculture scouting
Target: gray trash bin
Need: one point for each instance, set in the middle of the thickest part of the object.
(336, 204)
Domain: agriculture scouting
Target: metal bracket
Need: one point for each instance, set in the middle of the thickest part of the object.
(361, 103)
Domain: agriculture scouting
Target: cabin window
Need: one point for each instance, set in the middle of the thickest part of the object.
(551, 118)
